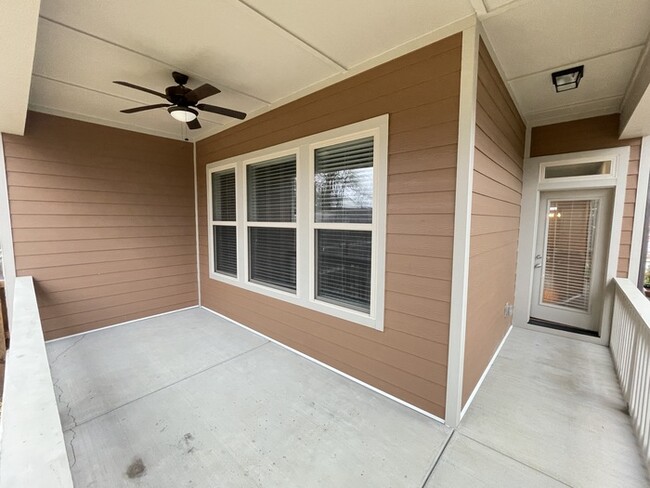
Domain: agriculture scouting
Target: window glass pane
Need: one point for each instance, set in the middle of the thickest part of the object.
(579, 169)
(223, 196)
(343, 267)
(272, 190)
(225, 249)
(343, 182)
(273, 256)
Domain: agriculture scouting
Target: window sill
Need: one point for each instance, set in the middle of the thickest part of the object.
(350, 315)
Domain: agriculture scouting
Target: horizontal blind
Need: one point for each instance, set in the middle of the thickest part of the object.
(344, 267)
(343, 181)
(272, 190)
(272, 256)
(569, 252)
(224, 206)
(225, 249)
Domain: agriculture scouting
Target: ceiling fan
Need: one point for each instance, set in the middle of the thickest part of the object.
(183, 102)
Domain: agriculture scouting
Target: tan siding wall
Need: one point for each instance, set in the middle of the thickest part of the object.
(587, 135)
(498, 169)
(420, 92)
(104, 221)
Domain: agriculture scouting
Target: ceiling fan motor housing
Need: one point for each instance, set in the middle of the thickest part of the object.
(176, 95)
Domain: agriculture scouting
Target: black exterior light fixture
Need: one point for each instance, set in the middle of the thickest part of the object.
(568, 79)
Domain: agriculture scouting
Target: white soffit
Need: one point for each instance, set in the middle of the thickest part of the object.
(260, 54)
(351, 32)
(18, 21)
(534, 38)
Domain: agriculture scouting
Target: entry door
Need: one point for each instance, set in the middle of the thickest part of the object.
(569, 270)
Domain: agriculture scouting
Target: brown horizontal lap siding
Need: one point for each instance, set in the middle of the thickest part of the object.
(496, 201)
(587, 135)
(420, 93)
(103, 219)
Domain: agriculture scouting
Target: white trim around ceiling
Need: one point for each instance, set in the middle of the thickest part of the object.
(412, 45)
(108, 123)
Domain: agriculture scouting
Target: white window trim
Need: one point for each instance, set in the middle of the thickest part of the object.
(212, 223)
(304, 225)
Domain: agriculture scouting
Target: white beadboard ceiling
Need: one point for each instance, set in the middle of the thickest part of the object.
(262, 53)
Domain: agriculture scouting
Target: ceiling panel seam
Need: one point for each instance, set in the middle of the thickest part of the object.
(581, 61)
(188, 72)
(504, 8)
(637, 70)
(310, 48)
(592, 101)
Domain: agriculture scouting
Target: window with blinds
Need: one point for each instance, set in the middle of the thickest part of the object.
(271, 201)
(343, 202)
(571, 226)
(305, 221)
(224, 221)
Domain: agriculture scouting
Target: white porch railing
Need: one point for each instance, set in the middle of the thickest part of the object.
(630, 346)
(32, 449)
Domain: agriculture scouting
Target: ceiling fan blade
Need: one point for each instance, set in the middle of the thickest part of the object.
(204, 91)
(222, 111)
(146, 107)
(141, 88)
(194, 124)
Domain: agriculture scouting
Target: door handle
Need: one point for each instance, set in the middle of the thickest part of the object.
(538, 265)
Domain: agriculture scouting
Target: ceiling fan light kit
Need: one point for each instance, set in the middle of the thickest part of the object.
(183, 102)
(183, 114)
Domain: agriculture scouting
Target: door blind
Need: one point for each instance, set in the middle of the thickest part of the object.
(571, 226)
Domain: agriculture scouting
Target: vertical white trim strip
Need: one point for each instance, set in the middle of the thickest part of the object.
(639, 211)
(196, 224)
(462, 224)
(6, 237)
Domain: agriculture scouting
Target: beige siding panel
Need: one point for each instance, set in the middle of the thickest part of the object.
(103, 219)
(420, 93)
(498, 163)
(586, 135)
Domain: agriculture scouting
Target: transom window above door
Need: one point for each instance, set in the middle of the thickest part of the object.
(304, 222)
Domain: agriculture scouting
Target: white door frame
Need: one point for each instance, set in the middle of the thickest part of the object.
(533, 185)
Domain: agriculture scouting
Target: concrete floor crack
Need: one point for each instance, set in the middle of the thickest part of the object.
(66, 350)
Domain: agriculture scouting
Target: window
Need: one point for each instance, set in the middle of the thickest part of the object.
(224, 217)
(271, 192)
(343, 202)
(304, 221)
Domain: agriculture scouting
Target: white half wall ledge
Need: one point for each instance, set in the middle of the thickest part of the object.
(32, 446)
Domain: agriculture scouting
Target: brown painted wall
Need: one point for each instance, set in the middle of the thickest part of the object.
(420, 92)
(103, 219)
(496, 200)
(586, 135)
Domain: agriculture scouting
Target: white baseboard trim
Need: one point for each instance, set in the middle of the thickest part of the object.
(327, 366)
(121, 323)
(484, 375)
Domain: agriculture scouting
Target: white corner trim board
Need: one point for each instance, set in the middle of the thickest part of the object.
(327, 366)
(462, 225)
(32, 444)
(639, 211)
(6, 238)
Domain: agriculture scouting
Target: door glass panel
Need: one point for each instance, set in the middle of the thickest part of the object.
(571, 227)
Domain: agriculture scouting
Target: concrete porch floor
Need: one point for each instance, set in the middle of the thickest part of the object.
(191, 400)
